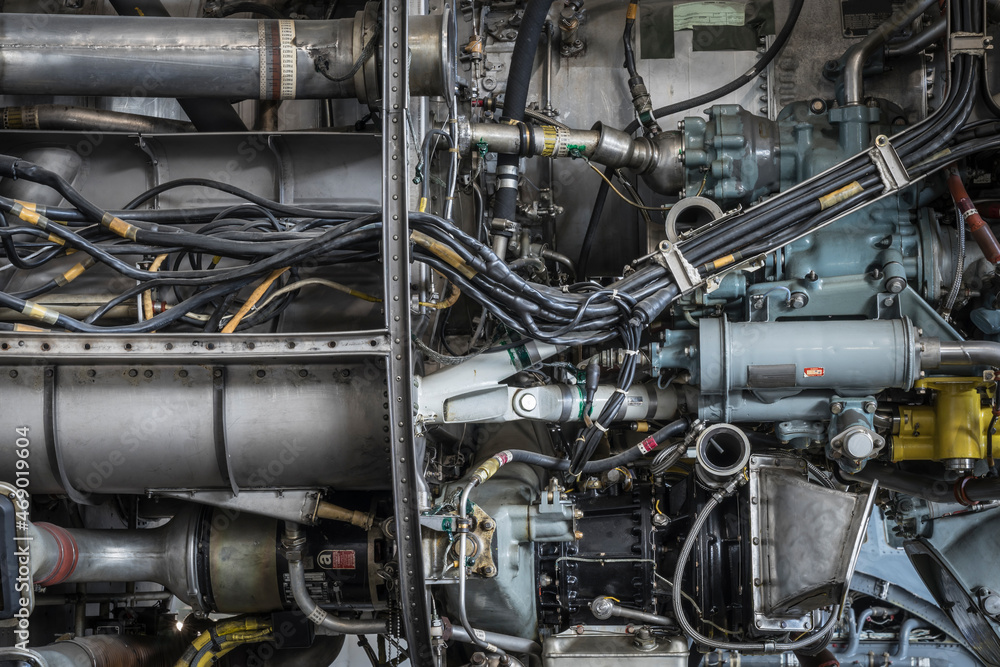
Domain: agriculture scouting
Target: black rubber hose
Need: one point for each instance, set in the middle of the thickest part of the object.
(595, 221)
(516, 96)
(631, 454)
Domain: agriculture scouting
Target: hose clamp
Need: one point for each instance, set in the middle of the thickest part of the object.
(685, 276)
(890, 168)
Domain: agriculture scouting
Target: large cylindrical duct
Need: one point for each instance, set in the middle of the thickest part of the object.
(49, 54)
(108, 429)
(210, 559)
(776, 359)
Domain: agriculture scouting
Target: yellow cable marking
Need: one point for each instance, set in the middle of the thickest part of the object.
(723, 261)
(443, 252)
(252, 301)
(837, 196)
(633, 9)
(118, 226)
(36, 312)
(28, 328)
(74, 272)
(423, 205)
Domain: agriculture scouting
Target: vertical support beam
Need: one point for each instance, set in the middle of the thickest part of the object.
(395, 204)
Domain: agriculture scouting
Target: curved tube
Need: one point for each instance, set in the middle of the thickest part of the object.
(347, 626)
(967, 491)
(856, 627)
(604, 608)
(63, 117)
(854, 89)
(29, 656)
(921, 40)
(506, 642)
(902, 650)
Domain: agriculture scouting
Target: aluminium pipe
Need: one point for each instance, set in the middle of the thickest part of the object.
(921, 40)
(347, 626)
(114, 651)
(604, 608)
(48, 54)
(936, 353)
(62, 117)
(506, 642)
(854, 87)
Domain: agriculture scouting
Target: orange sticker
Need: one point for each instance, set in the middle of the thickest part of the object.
(814, 372)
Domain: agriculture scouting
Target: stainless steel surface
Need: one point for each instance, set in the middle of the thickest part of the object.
(857, 55)
(805, 540)
(611, 649)
(191, 426)
(61, 117)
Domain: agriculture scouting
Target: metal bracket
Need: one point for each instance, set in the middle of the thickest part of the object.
(685, 275)
(970, 43)
(890, 167)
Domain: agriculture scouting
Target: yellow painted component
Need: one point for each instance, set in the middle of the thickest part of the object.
(952, 427)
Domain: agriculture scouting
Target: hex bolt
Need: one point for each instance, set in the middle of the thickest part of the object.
(488, 524)
(836, 408)
(527, 401)
(869, 407)
(798, 300)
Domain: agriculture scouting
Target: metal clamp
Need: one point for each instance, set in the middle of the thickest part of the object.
(890, 168)
(970, 43)
(685, 275)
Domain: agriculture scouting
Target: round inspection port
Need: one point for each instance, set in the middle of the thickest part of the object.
(723, 451)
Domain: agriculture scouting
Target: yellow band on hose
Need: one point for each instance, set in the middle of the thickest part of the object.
(443, 252)
(74, 272)
(118, 226)
(837, 196)
(36, 312)
(723, 261)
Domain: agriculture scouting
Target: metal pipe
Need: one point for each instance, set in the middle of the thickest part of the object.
(62, 117)
(27, 655)
(902, 650)
(604, 608)
(966, 491)
(118, 598)
(506, 642)
(936, 353)
(921, 40)
(854, 59)
(161, 555)
(347, 626)
(114, 651)
(49, 54)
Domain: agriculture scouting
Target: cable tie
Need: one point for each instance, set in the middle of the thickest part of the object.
(614, 294)
(630, 352)
(619, 390)
(601, 427)
(969, 213)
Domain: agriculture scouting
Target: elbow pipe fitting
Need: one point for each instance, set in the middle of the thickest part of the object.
(854, 59)
(346, 626)
(657, 158)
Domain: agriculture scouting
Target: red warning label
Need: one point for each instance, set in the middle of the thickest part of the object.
(813, 372)
(341, 559)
